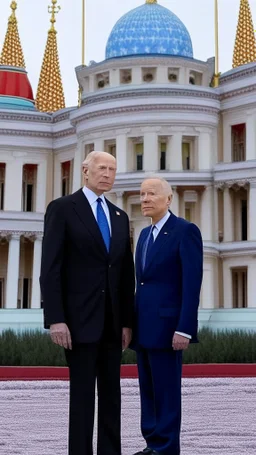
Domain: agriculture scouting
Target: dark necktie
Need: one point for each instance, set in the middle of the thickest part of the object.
(149, 242)
(103, 223)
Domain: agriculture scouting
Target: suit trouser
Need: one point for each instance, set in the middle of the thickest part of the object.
(160, 391)
(87, 363)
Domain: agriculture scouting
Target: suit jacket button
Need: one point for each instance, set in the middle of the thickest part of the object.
(109, 266)
(142, 284)
(103, 290)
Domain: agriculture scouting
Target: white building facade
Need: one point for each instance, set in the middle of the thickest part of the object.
(156, 114)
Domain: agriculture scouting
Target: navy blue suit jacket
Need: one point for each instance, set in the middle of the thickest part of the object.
(168, 290)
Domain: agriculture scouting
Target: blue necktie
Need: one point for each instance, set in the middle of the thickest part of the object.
(103, 223)
(149, 242)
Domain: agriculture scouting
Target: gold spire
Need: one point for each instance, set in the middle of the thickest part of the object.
(50, 94)
(245, 43)
(151, 1)
(12, 54)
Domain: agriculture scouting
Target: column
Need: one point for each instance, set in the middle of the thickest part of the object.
(175, 201)
(119, 199)
(150, 152)
(174, 152)
(207, 214)
(13, 271)
(99, 145)
(204, 151)
(251, 137)
(251, 298)
(91, 83)
(13, 185)
(162, 75)
(208, 290)
(36, 293)
(136, 75)
(114, 78)
(252, 211)
(121, 153)
(227, 141)
(215, 215)
(41, 185)
(228, 216)
(77, 171)
(227, 286)
(57, 178)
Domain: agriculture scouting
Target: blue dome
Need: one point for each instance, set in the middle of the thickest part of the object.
(149, 29)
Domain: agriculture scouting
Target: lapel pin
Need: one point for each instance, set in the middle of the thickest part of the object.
(118, 213)
(165, 233)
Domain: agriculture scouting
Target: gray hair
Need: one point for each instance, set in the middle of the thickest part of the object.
(165, 185)
(92, 157)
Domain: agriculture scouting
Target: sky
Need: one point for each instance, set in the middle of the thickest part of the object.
(101, 16)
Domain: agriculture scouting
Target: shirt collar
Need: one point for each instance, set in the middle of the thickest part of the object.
(92, 197)
(163, 220)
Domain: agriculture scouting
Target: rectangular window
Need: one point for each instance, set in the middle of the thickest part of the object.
(2, 181)
(162, 156)
(244, 219)
(139, 156)
(1, 293)
(239, 284)
(65, 178)
(28, 187)
(88, 149)
(186, 156)
(238, 133)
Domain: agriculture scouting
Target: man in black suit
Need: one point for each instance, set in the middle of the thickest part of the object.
(87, 283)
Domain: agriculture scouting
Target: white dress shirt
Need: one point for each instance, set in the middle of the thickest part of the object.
(92, 199)
(158, 226)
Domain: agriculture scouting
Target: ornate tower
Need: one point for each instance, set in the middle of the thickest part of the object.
(50, 94)
(15, 88)
(245, 43)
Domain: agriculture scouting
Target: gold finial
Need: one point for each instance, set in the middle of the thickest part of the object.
(12, 54)
(53, 10)
(245, 42)
(151, 1)
(50, 94)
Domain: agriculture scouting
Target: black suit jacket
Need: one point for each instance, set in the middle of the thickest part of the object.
(77, 271)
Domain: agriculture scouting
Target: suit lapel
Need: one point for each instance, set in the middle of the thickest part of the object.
(161, 239)
(115, 228)
(84, 212)
(139, 250)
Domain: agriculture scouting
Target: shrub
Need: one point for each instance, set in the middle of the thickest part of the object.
(35, 348)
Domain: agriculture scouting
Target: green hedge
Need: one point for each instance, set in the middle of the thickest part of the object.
(36, 349)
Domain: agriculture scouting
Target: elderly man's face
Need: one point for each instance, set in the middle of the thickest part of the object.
(154, 199)
(100, 174)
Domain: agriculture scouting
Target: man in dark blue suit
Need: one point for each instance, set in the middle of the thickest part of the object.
(169, 263)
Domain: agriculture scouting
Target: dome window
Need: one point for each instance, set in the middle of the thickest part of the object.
(102, 80)
(125, 76)
(173, 74)
(148, 74)
(195, 78)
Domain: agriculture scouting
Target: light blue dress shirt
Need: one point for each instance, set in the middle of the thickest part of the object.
(158, 227)
(92, 199)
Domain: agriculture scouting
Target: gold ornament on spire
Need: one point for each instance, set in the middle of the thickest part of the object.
(12, 54)
(151, 1)
(50, 94)
(245, 43)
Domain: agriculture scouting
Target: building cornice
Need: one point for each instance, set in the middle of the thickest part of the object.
(38, 134)
(27, 118)
(145, 108)
(238, 74)
(142, 92)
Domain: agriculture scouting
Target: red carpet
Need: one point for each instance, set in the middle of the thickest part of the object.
(130, 371)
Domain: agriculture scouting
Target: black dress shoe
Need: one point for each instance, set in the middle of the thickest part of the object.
(146, 451)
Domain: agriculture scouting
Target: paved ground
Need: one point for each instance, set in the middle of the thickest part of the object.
(219, 417)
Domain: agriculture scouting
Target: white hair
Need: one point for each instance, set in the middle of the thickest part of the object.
(165, 185)
(92, 156)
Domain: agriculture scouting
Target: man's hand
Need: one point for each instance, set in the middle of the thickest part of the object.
(60, 335)
(179, 342)
(126, 337)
